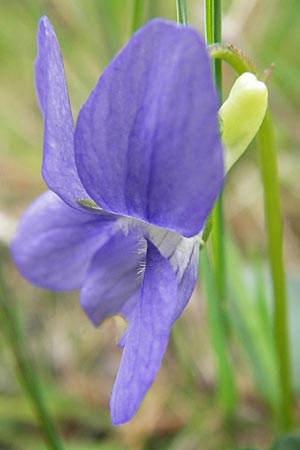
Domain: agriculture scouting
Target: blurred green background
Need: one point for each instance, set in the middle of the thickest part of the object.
(77, 363)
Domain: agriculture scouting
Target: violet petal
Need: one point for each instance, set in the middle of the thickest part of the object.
(147, 141)
(183, 255)
(114, 277)
(58, 169)
(54, 243)
(147, 337)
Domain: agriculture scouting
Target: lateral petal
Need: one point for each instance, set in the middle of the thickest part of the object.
(58, 168)
(146, 338)
(147, 142)
(115, 276)
(54, 243)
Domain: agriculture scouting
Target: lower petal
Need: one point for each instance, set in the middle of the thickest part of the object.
(146, 338)
(183, 255)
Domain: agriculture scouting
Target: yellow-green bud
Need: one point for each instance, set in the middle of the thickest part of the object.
(241, 116)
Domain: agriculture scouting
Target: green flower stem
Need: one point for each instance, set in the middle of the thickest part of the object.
(270, 180)
(238, 60)
(226, 392)
(11, 331)
(218, 248)
(269, 174)
(137, 14)
(216, 315)
(213, 34)
(181, 12)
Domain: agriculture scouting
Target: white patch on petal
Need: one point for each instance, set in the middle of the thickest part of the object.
(182, 253)
(141, 246)
(141, 269)
(175, 247)
(127, 224)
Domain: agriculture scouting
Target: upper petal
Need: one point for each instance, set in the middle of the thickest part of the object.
(146, 337)
(147, 142)
(114, 278)
(54, 243)
(58, 169)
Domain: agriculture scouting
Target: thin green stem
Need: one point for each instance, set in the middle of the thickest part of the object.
(217, 316)
(238, 60)
(206, 231)
(270, 180)
(218, 248)
(226, 391)
(209, 22)
(213, 34)
(137, 14)
(181, 12)
(11, 331)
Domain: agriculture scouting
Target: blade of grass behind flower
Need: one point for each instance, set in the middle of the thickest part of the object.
(251, 323)
(15, 341)
(219, 339)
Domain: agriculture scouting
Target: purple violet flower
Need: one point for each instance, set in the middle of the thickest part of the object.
(130, 188)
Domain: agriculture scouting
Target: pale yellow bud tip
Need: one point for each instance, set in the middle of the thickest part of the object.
(241, 116)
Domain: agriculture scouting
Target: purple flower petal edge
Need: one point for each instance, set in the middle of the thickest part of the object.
(58, 169)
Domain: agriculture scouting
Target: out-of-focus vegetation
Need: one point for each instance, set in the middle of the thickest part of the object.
(77, 363)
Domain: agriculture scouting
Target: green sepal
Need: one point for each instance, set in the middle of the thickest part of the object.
(87, 203)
